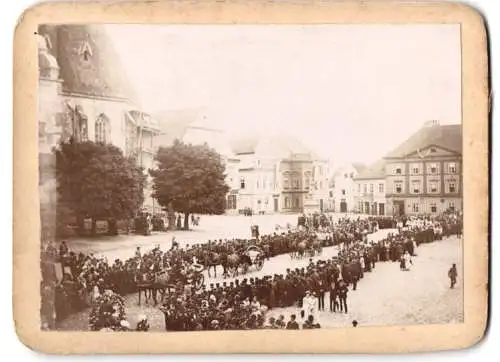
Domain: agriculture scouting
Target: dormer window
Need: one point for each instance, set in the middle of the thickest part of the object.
(86, 51)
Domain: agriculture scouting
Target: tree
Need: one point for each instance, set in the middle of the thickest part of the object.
(97, 181)
(190, 179)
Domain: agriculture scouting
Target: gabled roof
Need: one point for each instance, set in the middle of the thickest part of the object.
(175, 123)
(374, 171)
(446, 136)
(280, 146)
(360, 167)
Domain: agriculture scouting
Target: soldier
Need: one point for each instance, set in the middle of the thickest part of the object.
(342, 293)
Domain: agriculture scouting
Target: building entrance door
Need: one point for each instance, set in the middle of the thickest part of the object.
(343, 206)
(275, 204)
(381, 209)
(399, 207)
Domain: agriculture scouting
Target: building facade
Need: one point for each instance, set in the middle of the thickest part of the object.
(343, 188)
(424, 174)
(278, 174)
(84, 94)
(370, 190)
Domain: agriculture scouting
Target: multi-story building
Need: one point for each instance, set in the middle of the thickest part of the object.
(84, 94)
(278, 174)
(424, 173)
(369, 190)
(342, 189)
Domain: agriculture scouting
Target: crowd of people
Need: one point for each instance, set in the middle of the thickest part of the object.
(243, 303)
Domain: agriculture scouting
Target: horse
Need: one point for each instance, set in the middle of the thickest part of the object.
(232, 263)
(300, 249)
(211, 260)
(317, 247)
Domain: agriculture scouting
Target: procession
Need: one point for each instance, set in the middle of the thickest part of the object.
(173, 280)
(224, 204)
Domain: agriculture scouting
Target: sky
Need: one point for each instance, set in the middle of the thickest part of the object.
(350, 92)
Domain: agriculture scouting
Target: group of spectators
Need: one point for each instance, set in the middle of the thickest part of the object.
(241, 303)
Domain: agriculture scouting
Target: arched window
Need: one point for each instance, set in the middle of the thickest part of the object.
(102, 129)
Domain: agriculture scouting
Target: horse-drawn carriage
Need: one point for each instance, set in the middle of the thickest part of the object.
(166, 280)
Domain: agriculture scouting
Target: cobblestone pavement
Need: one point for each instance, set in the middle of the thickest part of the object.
(387, 296)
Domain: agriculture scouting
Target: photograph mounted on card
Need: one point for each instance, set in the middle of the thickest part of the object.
(222, 177)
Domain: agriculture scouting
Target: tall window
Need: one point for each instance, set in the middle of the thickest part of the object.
(416, 170)
(433, 207)
(287, 202)
(359, 188)
(415, 207)
(365, 188)
(102, 129)
(371, 188)
(296, 202)
(433, 186)
(286, 183)
(398, 187)
(343, 191)
(381, 188)
(433, 168)
(452, 188)
(258, 184)
(242, 183)
(415, 186)
(452, 167)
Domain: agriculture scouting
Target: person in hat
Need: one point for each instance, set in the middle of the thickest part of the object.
(292, 323)
(142, 324)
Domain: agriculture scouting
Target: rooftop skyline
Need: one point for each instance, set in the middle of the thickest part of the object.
(350, 92)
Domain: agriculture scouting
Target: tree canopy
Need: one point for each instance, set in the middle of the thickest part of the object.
(190, 178)
(97, 181)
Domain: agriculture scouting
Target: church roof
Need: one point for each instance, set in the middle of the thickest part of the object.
(432, 134)
(89, 64)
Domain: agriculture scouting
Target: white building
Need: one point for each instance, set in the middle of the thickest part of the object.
(343, 187)
(370, 190)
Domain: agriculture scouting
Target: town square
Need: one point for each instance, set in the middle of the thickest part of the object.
(180, 209)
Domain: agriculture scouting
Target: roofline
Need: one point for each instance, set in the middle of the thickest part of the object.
(245, 153)
(369, 178)
(89, 95)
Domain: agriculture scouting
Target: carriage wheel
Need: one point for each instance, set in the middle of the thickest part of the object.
(199, 281)
(259, 264)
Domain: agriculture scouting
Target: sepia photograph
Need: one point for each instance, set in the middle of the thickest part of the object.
(205, 177)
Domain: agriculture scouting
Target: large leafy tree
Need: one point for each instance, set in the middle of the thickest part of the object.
(189, 179)
(97, 181)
